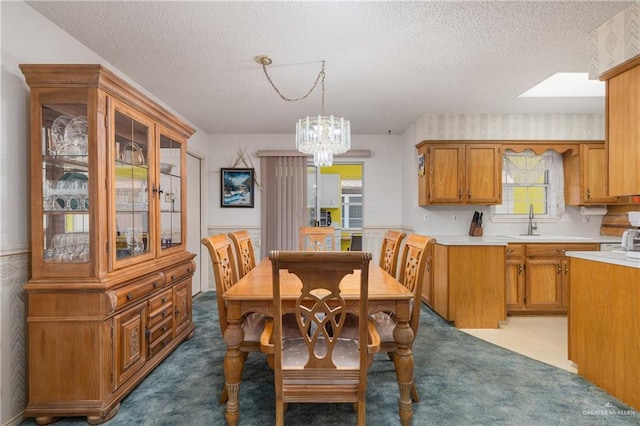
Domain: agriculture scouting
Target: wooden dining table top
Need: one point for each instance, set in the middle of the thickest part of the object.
(257, 285)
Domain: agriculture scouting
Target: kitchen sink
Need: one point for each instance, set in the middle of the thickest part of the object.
(545, 237)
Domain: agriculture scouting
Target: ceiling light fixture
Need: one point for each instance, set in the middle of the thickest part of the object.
(321, 136)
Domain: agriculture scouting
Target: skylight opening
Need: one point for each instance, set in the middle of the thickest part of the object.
(566, 85)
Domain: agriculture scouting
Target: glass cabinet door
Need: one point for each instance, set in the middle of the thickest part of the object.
(132, 182)
(171, 191)
(65, 184)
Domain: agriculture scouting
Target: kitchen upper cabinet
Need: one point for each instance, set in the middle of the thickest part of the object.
(586, 176)
(622, 110)
(456, 173)
(329, 191)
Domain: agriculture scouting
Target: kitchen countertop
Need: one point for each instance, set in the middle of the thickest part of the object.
(503, 240)
(612, 257)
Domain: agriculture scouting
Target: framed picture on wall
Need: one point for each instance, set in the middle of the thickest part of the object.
(236, 188)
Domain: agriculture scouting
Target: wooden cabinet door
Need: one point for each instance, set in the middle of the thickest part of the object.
(515, 284)
(594, 188)
(544, 283)
(182, 306)
(130, 353)
(427, 285)
(483, 176)
(446, 173)
(330, 191)
(623, 132)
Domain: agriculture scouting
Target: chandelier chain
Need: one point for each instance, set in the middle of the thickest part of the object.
(319, 78)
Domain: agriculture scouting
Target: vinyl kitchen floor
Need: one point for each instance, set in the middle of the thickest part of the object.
(542, 338)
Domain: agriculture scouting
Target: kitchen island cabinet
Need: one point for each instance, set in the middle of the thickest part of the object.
(604, 322)
(469, 284)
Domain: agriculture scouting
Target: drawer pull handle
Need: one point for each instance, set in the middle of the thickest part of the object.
(172, 277)
(129, 296)
(164, 328)
(164, 314)
(147, 333)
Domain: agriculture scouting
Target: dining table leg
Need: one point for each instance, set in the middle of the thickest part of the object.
(403, 360)
(233, 365)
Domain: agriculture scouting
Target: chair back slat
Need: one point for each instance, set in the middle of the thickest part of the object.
(224, 270)
(390, 251)
(314, 238)
(244, 252)
(412, 272)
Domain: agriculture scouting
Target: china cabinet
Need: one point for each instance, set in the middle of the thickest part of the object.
(110, 293)
(459, 173)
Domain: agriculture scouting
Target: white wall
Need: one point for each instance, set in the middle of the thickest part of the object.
(382, 176)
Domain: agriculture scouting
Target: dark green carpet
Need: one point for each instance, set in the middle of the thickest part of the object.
(462, 380)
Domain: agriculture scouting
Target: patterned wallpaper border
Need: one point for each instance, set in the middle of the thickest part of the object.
(510, 127)
(615, 41)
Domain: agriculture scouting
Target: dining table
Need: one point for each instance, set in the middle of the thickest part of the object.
(254, 293)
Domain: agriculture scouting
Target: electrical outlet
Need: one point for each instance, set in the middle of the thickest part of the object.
(426, 217)
(585, 219)
(454, 217)
(566, 217)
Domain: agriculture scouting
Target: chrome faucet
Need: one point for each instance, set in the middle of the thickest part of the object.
(532, 226)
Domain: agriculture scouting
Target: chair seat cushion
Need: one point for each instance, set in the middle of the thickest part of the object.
(252, 326)
(385, 324)
(296, 355)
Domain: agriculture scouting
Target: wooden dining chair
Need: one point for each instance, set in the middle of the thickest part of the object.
(244, 252)
(390, 250)
(412, 274)
(316, 363)
(224, 271)
(314, 238)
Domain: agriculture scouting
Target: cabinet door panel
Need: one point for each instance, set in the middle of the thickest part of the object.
(544, 282)
(483, 174)
(182, 305)
(130, 354)
(623, 138)
(446, 173)
(515, 284)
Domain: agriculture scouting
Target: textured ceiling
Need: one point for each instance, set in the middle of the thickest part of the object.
(387, 63)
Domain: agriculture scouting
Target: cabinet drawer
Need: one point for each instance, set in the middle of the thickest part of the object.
(554, 250)
(157, 332)
(157, 301)
(159, 315)
(515, 250)
(138, 290)
(180, 271)
(160, 344)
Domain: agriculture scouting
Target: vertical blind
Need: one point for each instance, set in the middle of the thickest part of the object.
(284, 209)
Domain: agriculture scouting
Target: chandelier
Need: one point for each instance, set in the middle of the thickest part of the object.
(321, 136)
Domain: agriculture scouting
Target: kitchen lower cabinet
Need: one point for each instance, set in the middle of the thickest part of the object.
(427, 284)
(515, 277)
(469, 285)
(537, 280)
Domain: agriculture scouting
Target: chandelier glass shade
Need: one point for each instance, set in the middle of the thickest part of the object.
(323, 137)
